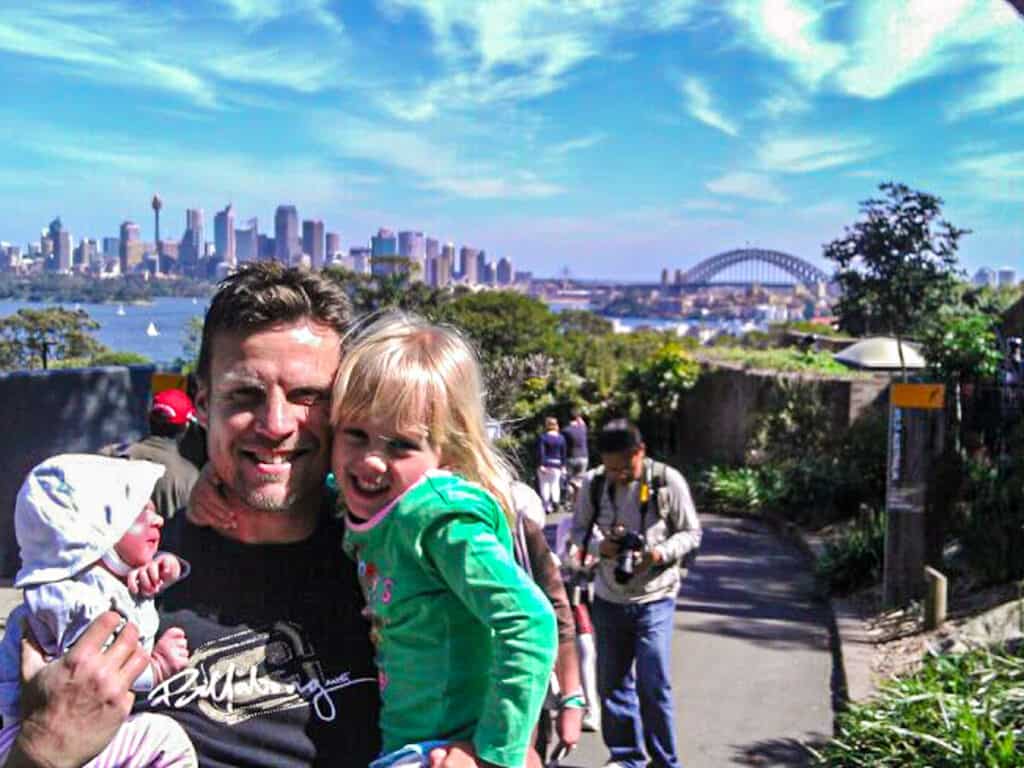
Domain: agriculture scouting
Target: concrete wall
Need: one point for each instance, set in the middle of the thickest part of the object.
(50, 412)
(718, 415)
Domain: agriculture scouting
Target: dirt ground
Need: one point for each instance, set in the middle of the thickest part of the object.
(900, 641)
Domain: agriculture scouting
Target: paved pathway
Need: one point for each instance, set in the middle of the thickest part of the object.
(752, 667)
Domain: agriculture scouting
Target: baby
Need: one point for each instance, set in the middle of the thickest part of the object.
(89, 536)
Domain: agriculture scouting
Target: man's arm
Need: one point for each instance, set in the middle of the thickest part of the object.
(72, 707)
(683, 520)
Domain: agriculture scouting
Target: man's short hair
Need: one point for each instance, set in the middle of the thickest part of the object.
(619, 435)
(265, 294)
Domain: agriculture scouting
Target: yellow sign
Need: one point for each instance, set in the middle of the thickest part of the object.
(164, 381)
(922, 396)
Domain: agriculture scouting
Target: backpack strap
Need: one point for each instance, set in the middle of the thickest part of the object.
(597, 482)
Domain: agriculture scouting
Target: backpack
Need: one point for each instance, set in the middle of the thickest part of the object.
(657, 481)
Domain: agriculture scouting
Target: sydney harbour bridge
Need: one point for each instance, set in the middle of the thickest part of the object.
(747, 266)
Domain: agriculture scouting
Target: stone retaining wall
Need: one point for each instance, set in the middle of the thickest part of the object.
(718, 415)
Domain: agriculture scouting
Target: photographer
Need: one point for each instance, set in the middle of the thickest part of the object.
(637, 516)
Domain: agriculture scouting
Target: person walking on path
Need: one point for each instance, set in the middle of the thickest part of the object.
(578, 452)
(637, 516)
(551, 455)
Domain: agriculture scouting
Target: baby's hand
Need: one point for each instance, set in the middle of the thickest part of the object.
(170, 654)
(209, 503)
(156, 575)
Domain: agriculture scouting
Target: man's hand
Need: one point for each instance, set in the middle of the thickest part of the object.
(651, 558)
(156, 575)
(209, 504)
(72, 707)
(170, 654)
(608, 549)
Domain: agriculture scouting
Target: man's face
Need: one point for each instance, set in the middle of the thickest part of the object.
(624, 466)
(266, 409)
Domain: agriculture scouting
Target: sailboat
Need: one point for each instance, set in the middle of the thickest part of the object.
(120, 310)
(151, 329)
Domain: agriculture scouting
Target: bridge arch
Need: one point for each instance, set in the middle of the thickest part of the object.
(803, 271)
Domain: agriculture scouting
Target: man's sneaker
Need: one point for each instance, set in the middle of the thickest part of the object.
(591, 721)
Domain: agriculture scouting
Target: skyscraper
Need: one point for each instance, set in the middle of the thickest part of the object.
(468, 265)
(412, 247)
(383, 252)
(431, 255)
(333, 251)
(504, 271)
(446, 265)
(313, 242)
(191, 249)
(286, 234)
(131, 247)
(360, 257)
(224, 235)
(60, 240)
(247, 242)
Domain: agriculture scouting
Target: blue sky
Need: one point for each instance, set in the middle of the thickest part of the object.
(612, 137)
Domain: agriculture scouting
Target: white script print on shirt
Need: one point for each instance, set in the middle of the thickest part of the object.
(252, 673)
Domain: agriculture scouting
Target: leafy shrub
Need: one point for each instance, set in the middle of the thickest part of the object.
(733, 491)
(854, 560)
(959, 711)
(992, 534)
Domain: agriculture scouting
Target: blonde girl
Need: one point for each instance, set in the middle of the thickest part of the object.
(465, 641)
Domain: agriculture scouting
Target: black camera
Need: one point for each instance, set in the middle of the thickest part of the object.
(629, 542)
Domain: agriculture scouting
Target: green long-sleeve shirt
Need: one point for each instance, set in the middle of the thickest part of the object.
(465, 641)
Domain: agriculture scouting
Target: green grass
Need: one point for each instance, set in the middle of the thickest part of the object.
(959, 711)
(854, 559)
(785, 359)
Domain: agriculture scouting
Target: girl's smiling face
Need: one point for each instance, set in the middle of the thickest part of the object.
(374, 463)
(141, 542)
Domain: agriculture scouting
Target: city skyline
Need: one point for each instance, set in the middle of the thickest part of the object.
(575, 134)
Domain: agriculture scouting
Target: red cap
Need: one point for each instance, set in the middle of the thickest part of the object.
(175, 405)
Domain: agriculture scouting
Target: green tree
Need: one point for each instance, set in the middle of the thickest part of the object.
(33, 338)
(650, 392)
(503, 323)
(897, 266)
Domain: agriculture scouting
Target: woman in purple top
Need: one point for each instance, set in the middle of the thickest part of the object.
(551, 455)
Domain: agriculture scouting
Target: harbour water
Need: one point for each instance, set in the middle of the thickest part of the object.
(127, 332)
(124, 327)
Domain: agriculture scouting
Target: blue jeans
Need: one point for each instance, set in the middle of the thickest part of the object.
(640, 634)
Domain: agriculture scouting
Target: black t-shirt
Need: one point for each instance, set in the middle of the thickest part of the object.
(281, 670)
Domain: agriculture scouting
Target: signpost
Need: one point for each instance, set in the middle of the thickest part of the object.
(916, 424)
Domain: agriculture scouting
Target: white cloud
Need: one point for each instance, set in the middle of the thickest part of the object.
(700, 105)
(577, 144)
(512, 51)
(301, 71)
(791, 31)
(806, 154)
(783, 104)
(259, 12)
(750, 186)
(997, 176)
(434, 165)
(895, 44)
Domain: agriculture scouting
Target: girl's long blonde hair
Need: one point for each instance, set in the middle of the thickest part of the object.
(424, 378)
